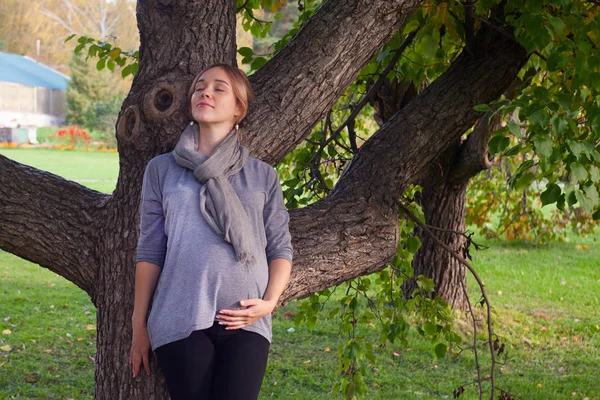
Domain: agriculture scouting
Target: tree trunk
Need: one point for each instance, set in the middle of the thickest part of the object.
(444, 209)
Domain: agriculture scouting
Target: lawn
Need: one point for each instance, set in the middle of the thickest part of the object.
(547, 302)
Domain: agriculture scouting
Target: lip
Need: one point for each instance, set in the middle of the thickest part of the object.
(204, 105)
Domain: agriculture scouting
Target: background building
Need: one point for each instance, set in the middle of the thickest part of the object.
(32, 95)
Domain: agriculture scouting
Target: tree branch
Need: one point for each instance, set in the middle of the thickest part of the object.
(433, 122)
(473, 155)
(337, 239)
(299, 84)
(49, 221)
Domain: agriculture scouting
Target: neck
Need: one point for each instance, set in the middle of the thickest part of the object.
(211, 135)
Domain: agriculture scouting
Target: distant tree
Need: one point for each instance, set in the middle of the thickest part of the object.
(93, 97)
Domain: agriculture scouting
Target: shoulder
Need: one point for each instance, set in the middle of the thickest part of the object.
(158, 168)
(162, 161)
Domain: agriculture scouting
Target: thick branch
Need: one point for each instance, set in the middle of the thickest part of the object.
(49, 220)
(402, 151)
(337, 239)
(473, 154)
(304, 80)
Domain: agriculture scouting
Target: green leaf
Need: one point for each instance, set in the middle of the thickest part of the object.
(110, 64)
(524, 181)
(440, 350)
(430, 328)
(497, 144)
(513, 150)
(425, 283)
(246, 52)
(571, 199)
(543, 147)
(592, 195)
(257, 63)
(551, 194)
(69, 38)
(578, 172)
(539, 117)
(564, 100)
(78, 48)
(514, 128)
(557, 25)
(596, 215)
(576, 148)
(100, 64)
(413, 244)
(594, 174)
(427, 46)
(482, 107)
(584, 201)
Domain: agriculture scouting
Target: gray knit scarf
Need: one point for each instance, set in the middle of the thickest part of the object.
(219, 204)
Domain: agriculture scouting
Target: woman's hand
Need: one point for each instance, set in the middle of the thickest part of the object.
(140, 349)
(236, 319)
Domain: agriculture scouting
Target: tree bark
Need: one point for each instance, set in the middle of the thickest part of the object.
(350, 233)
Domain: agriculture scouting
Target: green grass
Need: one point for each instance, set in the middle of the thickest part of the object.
(546, 299)
(98, 171)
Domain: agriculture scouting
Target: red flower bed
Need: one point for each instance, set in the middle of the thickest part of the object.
(73, 135)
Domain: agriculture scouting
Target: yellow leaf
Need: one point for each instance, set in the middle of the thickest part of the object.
(327, 350)
(6, 332)
(6, 348)
(90, 327)
(114, 53)
(47, 351)
(306, 362)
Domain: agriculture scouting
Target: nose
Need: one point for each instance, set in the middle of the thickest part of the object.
(205, 93)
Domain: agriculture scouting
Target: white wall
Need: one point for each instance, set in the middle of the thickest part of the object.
(12, 119)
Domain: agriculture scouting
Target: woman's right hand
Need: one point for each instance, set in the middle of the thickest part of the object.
(140, 349)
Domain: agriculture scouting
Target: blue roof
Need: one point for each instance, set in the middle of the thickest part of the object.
(26, 71)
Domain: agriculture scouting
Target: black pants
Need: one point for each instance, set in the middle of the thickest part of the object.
(215, 364)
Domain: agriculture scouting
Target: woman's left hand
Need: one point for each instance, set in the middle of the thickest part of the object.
(236, 319)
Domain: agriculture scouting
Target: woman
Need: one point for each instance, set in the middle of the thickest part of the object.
(215, 244)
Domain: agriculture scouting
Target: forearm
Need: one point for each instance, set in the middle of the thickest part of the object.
(279, 276)
(146, 276)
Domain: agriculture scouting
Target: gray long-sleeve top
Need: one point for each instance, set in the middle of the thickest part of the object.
(199, 273)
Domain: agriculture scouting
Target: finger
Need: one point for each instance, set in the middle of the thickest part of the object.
(233, 323)
(230, 318)
(146, 363)
(250, 302)
(234, 313)
(136, 365)
(237, 324)
(234, 327)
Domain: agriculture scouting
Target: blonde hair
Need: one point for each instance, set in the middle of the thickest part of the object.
(242, 90)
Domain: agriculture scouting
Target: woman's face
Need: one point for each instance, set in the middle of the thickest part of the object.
(213, 100)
